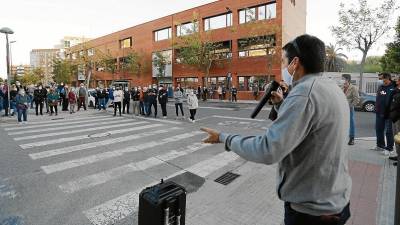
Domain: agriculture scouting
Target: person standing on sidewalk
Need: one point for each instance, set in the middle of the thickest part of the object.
(13, 95)
(102, 94)
(135, 97)
(153, 100)
(53, 99)
(193, 104)
(234, 94)
(72, 101)
(22, 105)
(163, 99)
(395, 116)
(118, 97)
(383, 123)
(126, 101)
(308, 140)
(141, 102)
(353, 97)
(178, 96)
(82, 93)
(220, 92)
(39, 96)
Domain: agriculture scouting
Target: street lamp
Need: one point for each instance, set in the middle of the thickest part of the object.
(7, 31)
(11, 59)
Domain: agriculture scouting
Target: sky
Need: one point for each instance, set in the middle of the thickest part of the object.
(43, 23)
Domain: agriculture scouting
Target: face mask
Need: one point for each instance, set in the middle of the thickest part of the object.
(287, 77)
(126, 89)
(341, 82)
(380, 82)
(40, 88)
(22, 93)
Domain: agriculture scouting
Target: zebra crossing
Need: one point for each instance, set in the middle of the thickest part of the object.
(75, 144)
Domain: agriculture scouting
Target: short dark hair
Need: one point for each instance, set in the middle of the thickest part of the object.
(310, 50)
(386, 75)
(346, 77)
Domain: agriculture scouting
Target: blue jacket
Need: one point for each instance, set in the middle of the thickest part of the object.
(383, 99)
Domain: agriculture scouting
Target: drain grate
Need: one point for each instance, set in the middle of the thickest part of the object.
(227, 178)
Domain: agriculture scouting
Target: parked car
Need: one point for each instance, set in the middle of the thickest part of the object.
(367, 102)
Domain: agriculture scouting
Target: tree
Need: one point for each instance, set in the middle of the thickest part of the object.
(63, 71)
(160, 62)
(391, 60)
(335, 61)
(134, 63)
(197, 51)
(360, 27)
(32, 77)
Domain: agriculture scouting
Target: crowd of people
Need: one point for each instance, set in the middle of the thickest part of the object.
(50, 99)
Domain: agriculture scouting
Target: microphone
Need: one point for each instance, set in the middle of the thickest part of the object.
(267, 95)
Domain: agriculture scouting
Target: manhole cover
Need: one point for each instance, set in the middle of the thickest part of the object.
(227, 178)
(99, 135)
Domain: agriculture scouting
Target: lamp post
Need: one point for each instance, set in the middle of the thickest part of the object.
(11, 60)
(7, 31)
(229, 75)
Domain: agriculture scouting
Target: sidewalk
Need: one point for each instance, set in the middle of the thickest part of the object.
(251, 199)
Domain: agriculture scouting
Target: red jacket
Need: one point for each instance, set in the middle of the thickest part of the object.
(71, 97)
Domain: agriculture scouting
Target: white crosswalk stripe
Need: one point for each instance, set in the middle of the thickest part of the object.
(99, 126)
(82, 137)
(112, 154)
(56, 124)
(115, 173)
(73, 134)
(123, 206)
(57, 120)
(68, 126)
(75, 148)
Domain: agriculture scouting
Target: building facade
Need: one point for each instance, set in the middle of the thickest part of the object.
(250, 34)
(68, 42)
(20, 70)
(43, 58)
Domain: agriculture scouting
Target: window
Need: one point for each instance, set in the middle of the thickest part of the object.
(67, 44)
(267, 11)
(271, 11)
(163, 34)
(247, 15)
(223, 50)
(90, 52)
(250, 83)
(81, 53)
(167, 55)
(256, 46)
(218, 22)
(188, 82)
(125, 43)
(187, 28)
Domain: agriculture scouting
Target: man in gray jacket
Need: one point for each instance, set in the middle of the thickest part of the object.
(307, 139)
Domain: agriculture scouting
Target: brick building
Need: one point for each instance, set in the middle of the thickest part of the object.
(250, 32)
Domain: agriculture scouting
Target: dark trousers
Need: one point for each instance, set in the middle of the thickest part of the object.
(141, 108)
(176, 108)
(383, 126)
(65, 104)
(164, 108)
(117, 104)
(234, 99)
(192, 113)
(81, 102)
(53, 108)
(154, 104)
(125, 105)
(39, 107)
(293, 217)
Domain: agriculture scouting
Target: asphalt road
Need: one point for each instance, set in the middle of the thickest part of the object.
(88, 168)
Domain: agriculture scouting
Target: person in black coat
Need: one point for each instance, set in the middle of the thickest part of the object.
(234, 94)
(39, 96)
(163, 99)
(152, 95)
(126, 101)
(102, 95)
(394, 115)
